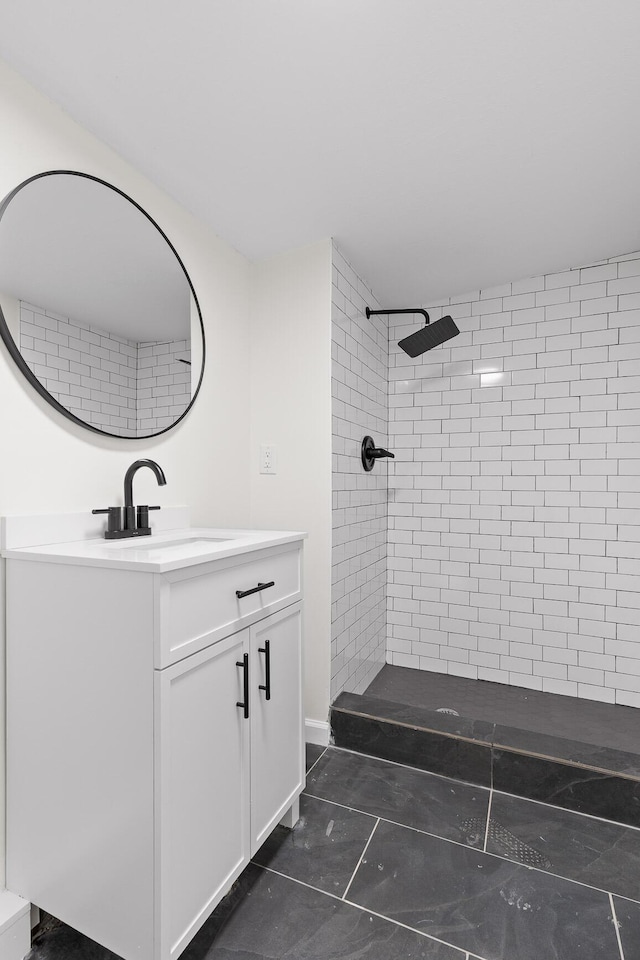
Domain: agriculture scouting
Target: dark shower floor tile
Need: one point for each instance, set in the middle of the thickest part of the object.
(587, 721)
(402, 794)
(324, 847)
(491, 907)
(274, 918)
(594, 852)
(403, 894)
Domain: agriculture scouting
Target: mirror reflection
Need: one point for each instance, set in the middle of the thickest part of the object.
(96, 306)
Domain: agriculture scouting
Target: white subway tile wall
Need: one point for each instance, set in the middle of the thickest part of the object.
(514, 510)
(115, 384)
(163, 383)
(359, 552)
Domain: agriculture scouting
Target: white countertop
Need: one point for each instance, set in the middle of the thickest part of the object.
(158, 553)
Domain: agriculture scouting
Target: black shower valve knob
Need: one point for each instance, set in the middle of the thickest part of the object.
(370, 453)
(378, 452)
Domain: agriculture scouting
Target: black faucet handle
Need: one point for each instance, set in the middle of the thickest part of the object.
(142, 515)
(114, 522)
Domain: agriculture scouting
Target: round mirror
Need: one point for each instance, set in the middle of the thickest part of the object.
(96, 307)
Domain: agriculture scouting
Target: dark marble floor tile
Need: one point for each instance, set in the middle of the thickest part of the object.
(563, 785)
(268, 917)
(495, 909)
(606, 724)
(628, 915)
(427, 750)
(560, 748)
(323, 848)
(312, 753)
(602, 854)
(477, 730)
(57, 941)
(412, 797)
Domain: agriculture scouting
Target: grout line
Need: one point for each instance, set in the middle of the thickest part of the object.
(301, 883)
(397, 823)
(492, 745)
(478, 786)
(466, 846)
(398, 923)
(616, 925)
(576, 813)
(413, 726)
(361, 857)
(573, 764)
(407, 766)
(622, 896)
(492, 759)
(317, 760)
(359, 906)
(486, 832)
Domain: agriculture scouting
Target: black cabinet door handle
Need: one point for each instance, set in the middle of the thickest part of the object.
(266, 686)
(261, 586)
(244, 663)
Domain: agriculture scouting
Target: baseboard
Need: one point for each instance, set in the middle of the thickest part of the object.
(317, 731)
(15, 926)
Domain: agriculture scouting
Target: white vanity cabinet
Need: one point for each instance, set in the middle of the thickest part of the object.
(248, 770)
(139, 785)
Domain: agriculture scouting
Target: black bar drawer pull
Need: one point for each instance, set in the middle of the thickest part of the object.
(266, 686)
(261, 586)
(244, 663)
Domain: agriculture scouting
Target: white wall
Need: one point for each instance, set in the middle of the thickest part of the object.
(290, 385)
(360, 356)
(49, 463)
(515, 510)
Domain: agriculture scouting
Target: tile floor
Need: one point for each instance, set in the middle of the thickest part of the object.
(392, 863)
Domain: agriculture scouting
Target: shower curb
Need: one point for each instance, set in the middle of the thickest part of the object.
(577, 776)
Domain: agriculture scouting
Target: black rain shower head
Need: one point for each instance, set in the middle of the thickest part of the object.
(428, 337)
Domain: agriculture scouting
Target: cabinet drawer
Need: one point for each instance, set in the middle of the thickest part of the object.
(196, 609)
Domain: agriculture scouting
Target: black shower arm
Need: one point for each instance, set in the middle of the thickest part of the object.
(371, 313)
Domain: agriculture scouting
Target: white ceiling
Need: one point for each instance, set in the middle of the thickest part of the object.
(444, 144)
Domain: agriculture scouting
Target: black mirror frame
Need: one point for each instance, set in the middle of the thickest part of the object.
(12, 347)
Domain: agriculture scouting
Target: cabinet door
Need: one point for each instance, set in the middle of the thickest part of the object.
(277, 764)
(202, 796)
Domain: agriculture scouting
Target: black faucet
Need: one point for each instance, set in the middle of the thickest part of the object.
(126, 521)
(129, 509)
